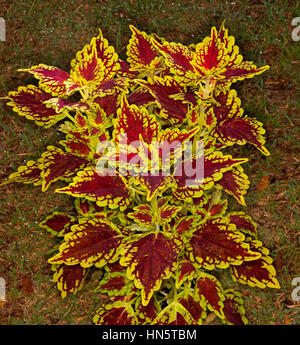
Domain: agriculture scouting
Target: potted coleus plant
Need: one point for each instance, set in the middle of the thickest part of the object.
(144, 158)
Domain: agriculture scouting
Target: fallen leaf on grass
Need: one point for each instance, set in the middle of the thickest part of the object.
(263, 183)
(26, 285)
(80, 319)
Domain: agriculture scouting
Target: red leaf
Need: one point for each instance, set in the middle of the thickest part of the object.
(162, 90)
(69, 279)
(57, 164)
(105, 190)
(245, 69)
(260, 272)
(58, 223)
(29, 102)
(135, 123)
(179, 58)
(214, 166)
(140, 51)
(117, 313)
(51, 79)
(156, 185)
(243, 223)
(92, 242)
(233, 308)
(60, 104)
(195, 309)
(140, 98)
(29, 173)
(146, 314)
(125, 70)
(210, 55)
(95, 64)
(109, 103)
(76, 147)
(209, 290)
(185, 271)
(142, 214)
(235, 183)
(215, 243)
(150, 258)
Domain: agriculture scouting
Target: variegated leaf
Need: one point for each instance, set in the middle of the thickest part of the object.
(116, 284)
(58, 223)
(167, 212)
(86, 208)
(196, 308)
(141, 54)
(135, 123)
(150, 258)
(142, 214)
(95, 64)
(216, 243)
(209, 291)
(235, 182)
(146, 314)
(116, 313)
(29, 173)
(234, 308)
(241, 131)
(243, 223)
(185, 271)
(211, 56)
(108, 103)
(140, 98)
(155, 184)
(56, 164)
(105, 190)
(51, 79)
(231, 127)
(30, 101)
(59, 104)
(179, 58)
(77, 147)
(91, 242)
(174, 314)
(69, 279)
(242, 70)
(162, 90)
(260, 273)
(214, 165)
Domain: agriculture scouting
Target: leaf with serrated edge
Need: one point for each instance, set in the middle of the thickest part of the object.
(69, 279)
(216, 243)
(234, 308)
(209, 290)
(116, 313)
(260, 273)
(91, 242)
(150, 258)
(105, 190)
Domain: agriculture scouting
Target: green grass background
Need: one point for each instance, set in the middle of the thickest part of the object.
(50, 32)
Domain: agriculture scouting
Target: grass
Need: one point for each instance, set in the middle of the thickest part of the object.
(51, 32)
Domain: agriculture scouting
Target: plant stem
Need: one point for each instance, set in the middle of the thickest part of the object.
(205, 95)
(154, 207)
(70, 117)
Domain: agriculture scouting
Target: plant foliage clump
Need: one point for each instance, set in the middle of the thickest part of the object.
(160, 232)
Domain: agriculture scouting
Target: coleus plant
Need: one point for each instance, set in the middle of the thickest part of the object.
(159, 241)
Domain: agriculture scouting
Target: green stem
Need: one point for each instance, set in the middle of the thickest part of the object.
(154, 206)
(70, 117)
(206, 93)
(137, 191)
